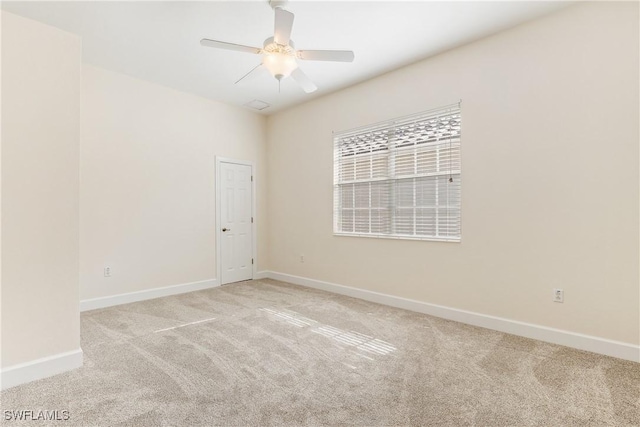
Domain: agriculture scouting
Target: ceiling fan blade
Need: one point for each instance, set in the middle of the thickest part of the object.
(327, 55)
(304, 81)
(255, 71)
(229, 46)
(284, 24)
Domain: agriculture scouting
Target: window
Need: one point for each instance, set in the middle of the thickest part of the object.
(400, 178)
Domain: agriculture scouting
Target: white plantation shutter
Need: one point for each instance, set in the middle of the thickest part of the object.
(400, 178)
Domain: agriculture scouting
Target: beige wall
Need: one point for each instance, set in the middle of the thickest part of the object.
(40, 138)
(550, 177)
(147, 189)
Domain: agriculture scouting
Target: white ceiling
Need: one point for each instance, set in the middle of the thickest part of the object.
(159, 41)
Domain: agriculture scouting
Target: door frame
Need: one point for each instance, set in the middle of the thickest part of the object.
(254, 234)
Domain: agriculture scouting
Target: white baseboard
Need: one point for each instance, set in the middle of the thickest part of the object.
(575, 340)
(40, 368)
(261, 275)
(95, 303)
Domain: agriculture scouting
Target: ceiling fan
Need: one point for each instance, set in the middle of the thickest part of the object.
(279, 55)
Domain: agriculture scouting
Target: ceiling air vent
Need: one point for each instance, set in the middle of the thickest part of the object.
(256, 104)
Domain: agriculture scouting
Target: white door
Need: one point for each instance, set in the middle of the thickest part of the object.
(235, 222)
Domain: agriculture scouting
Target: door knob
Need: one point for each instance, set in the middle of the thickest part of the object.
(226, 229)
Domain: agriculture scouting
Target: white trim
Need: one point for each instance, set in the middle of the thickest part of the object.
(40, 368)
(254, 228)
(95, 303)
(542, 333)
(261, 275)
(399, 237)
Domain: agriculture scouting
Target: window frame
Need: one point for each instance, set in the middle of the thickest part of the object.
(452, 112)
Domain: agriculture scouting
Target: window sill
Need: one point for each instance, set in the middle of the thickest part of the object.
(400, 237)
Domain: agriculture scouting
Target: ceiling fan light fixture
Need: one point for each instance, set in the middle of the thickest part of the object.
(280, 65)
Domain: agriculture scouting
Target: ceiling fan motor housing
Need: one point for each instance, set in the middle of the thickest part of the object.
(271, 46)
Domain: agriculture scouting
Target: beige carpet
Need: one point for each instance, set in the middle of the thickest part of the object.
(266, 353)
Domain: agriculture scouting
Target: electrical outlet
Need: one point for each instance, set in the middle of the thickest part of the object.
(301, 258)
(107, 272)
(558, 295)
